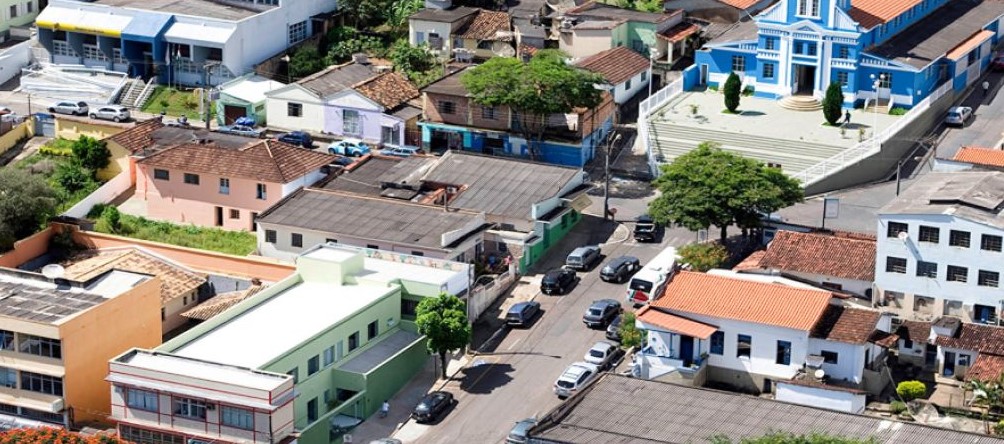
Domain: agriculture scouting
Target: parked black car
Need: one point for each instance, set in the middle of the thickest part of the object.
(583, 258)
(299, 138)
(557, 281)
(620, 269)
(644, 229)
(614, 329)
(521, 313)
(601, 313)
(431, 406)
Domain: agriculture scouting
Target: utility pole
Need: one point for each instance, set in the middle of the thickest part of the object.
(208, 100)
(614, 137)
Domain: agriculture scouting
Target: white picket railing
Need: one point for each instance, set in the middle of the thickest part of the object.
(868, 147)
(645, 110)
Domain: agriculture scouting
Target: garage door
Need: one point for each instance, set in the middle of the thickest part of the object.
(232, 113)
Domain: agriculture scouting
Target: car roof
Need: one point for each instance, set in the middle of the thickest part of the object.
(602, 345)
(352, 140)
(603, 303)
(621, 259)
(584, 249)
(644, 218)
(575, 370)
(519, 306)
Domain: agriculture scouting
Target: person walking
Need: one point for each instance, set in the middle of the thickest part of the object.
(986, 88)
(384, 409)
(847, 117)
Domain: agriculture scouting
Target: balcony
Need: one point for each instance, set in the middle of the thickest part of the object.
(649, 365)
(31, 400)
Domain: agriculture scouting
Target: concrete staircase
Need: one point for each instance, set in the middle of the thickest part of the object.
(131, 93)
(800, 103)
(670, 140)
(882, 106)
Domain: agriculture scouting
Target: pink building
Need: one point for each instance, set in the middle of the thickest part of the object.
(212, 185)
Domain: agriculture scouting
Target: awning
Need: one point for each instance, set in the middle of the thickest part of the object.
(676, 324)
(199, 35)
(969, 44)
(105, 23)
(580, 202)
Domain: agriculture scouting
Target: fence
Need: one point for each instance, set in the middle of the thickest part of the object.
(646, 108)
(107, 193)
(871, 146)
(484, 295)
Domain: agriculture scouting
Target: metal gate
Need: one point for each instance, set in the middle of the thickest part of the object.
(45, 125)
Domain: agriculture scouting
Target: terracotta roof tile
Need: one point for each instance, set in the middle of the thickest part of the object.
(616, 65)
(883, 339)
(674, 323)
(980, 156)
(986, 368)
(525, 49)
(752, 262)
(138, 137)
(389, 89)
(743, 300)
(845, 324)
(976, 337)
(220, 303)
(175, 279)
(486, 26)
(265, 160)
(679, 32)
(827, 255)
(741, 4)
(966, 46)
(915, 331)
(871, 13)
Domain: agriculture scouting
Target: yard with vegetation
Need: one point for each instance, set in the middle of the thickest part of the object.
(57, 165)
(109, 220)
(176, 103)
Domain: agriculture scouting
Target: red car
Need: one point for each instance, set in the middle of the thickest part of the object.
(997, 64)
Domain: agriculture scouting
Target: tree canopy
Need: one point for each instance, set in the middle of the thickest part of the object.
(535, 90)
(47, 435)
(26, 202)
(443, 321)
(704, 257)
(709, 186)
(732, 90)
(833, 103)
(93, 154)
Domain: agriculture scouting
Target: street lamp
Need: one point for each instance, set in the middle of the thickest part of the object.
(652, 55)
(285, 58)
(875, 86)
(613, 139)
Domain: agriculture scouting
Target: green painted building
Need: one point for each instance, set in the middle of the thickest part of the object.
(341, 328)
(244, 97)
(17, 13)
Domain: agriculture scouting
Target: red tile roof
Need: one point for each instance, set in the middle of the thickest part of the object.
(752, 262)
(487, 25)
(220, 303)
(973, 41)
(679, 32)
(883, 339)
(980, 156)
(822, 254)
(986, 368)
(915, 331)
(138, 137)
(846, 324)
(389, 89)
(675, 324)
(175, 280)
(743, 300)
(741, 4)
(871, 13)
(264, 160)
(616, 65)
(976, 337)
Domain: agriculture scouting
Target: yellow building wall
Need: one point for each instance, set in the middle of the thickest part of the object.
(91, 339)
(118, 162)
(16, 135)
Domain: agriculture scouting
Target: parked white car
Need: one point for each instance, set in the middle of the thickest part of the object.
(958, 115)
(601, 355)
(115, 113)
(575, 377)
(66, 107)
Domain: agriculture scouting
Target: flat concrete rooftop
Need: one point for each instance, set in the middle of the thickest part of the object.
(209, 371)
(195, 8)
(382, 351)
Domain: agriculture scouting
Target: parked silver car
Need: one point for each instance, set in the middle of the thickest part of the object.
(66, 107)
(958, 115)
(115, 113)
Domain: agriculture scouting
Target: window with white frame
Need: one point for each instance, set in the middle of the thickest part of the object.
(768, 70)
(261, 192)
(224, 185)
(236, 417)
(768, 43)
(192, 408)
(808, 8)
(297, 32)
(329, 356)
(94, 53)
(34, 382)
(390, 135)
(843, 77)
(62, 48)
(141, 399)
(885, 80)
(350, 122)
(8, 377)
(738, 64)
(844, 52)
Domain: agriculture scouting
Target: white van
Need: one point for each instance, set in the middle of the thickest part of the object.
(649, 283)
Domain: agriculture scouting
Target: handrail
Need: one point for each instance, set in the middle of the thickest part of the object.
(143, 96)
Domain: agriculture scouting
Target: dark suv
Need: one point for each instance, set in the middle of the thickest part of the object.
(298, 138)
(644, 229)
(619, 269)
(601, 313)
(557, 281)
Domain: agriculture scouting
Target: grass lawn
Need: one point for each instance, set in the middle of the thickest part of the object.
(176, 102)
(240, 243)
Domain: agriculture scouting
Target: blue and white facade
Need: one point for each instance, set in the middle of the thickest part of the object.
(175, 42)
(802, 46)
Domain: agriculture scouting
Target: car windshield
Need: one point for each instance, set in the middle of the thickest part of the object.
(953, 114)
(595, 311)
(608, 269)
(616, 322)
(574, 260)
(423, 407)
(566, 384)
(641, 285)
(596, 353)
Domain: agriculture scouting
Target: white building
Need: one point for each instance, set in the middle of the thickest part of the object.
(626, 71)
(751, 335)
(939, 248)
(434, 26)
(186, 43)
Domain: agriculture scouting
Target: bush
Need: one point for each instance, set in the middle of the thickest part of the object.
(112, 216)
(72, 177)
(305, 61)
(51, 150)
(93, 154)
(897, 111)
(630, 335)
(704, 257)
(897, 407)
(833, 103)
(731, 91)
(910, 390)
(999, 428)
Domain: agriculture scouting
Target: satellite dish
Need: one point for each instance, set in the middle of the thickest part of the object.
(903, 236)
(53, 271)
(819, 374)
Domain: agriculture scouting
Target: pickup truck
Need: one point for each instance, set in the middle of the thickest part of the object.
(242, 130)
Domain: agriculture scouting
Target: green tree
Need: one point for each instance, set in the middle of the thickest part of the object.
(343, 42)
(833, 103)
(93, 154)
(411, 59)
(399, 11)
(910, 390)
(305, 61)
(704, 257)
(987, 394)
(791, 438)
(72, 177)
(708, 186)
(362, 13)
(443, 321)
(732, 91)
(112, 216)
(630, 335)
(26, 202)
(544, 86)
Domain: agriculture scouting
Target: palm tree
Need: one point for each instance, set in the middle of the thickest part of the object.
(989, 395)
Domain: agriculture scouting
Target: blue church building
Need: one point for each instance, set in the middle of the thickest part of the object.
(897, 51)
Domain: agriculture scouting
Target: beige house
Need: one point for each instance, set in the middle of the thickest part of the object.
(489, 34)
